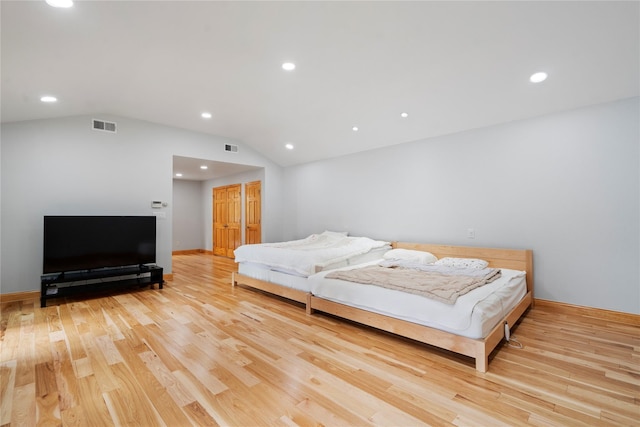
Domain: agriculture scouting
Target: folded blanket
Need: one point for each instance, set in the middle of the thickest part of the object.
(441, 286)
(436, 268)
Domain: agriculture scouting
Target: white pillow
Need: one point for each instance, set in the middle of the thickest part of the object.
(421, 257)
(463, 262)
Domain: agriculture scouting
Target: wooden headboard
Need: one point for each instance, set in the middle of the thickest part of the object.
(515, 259)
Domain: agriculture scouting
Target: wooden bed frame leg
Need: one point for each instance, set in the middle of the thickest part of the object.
(308, 308)
(482, 362)
(233, 280)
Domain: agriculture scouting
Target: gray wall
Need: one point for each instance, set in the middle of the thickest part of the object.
(565, 185)
(188, 217)
(63, 167)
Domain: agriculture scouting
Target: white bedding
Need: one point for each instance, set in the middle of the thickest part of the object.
(306, 256)
(296, 281)
(473, 315)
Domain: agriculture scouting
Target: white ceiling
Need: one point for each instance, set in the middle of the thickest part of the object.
(452, 66)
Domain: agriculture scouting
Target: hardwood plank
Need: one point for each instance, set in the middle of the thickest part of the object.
(99, 365)
(42, 320)
(293, 384)
(66, 382)
(108, 349)
(7, 386)
(74, 417)
(311, 409)
(178, 393)
(152, 337)
(25, 369)
(157, 392)
(72, 337)
(48, 410)
(200, 366)
(45, 379)
(112, 327)
(199, 415)
(82, 367)
(135, 308)
(24, 406)
(9, 330)
(204, 397)
(127, 392)
(91, 399)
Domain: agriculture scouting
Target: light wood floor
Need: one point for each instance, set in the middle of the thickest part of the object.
(201, 353)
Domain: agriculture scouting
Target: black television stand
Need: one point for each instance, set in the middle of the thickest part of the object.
(78, 282)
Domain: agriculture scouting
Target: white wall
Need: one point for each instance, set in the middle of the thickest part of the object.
(188, 221)
(566, 185)
(63, 167)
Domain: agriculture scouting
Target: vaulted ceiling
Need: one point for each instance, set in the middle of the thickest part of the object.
(451, 66)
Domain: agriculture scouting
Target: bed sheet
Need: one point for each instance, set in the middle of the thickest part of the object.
(473, 315)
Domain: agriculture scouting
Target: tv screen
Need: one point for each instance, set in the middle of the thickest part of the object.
(73, 243)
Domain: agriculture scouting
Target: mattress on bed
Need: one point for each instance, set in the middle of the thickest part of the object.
(373, 254)
(473, 315)
(261, 272)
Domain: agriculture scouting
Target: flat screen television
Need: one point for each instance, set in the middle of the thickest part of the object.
(78, 243)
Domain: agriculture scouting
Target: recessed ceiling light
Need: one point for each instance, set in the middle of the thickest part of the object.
(355, 128)
(60, 3)
(206, 115)
(289, 66)
(538, 77)
(204, 167)
(48, 98)
(404, 115)
(178, 175)
(289, 146)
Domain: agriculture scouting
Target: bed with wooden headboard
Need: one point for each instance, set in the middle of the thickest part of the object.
(478, 348)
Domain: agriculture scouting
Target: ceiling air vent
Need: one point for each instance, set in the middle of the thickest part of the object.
(104, 126)
(231, 148)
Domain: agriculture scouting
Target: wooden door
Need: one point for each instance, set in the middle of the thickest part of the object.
(226, 220)
(252, 212)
